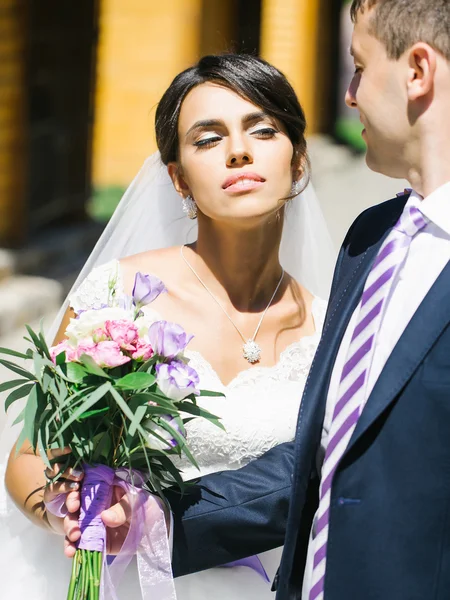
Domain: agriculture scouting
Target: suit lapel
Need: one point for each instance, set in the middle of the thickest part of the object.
(358, 259)
(432, 316)
(340, 310)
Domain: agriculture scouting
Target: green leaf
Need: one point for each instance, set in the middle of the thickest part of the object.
(68, 402)
(60, 358)
(102, 446)
(43, 340)
(180, 439)
(136, 420)
(42, 438)
(18, 393)
(194, 409)
(148, 364)
(39, 365)
(90, 401)
(16, 369)
(22, 439)
(135, 381)
(92, 367)
(74, 371)
(12, 384)
(30, 416)
(34, 337)
(211, 393)
(46, 381)
(10, 352)
(126, 410)
(158, 398)
(172, 469)
(91, 413)
(19, 417)
(159, 410)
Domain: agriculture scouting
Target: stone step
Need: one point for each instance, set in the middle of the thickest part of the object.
(25, 298)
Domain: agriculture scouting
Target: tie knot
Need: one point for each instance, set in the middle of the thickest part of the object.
(411, 221)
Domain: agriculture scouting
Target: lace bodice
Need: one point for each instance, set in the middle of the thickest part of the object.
(260, 406)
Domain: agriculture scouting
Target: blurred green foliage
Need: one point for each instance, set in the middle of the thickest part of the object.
(104, 201)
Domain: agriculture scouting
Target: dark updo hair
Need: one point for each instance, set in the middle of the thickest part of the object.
(252, 78)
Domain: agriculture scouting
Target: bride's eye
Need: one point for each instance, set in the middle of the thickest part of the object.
(265, 132)
(208, 142)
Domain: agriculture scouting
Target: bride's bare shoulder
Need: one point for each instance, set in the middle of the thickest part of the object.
(164, 263)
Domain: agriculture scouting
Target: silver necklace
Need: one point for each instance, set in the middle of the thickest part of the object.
(251, 350)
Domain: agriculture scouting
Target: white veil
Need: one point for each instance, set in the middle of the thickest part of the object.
(150, 216)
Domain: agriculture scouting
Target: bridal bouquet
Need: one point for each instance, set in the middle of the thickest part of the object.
(118, 392)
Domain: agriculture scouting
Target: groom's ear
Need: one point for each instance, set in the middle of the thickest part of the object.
(176, 175)
(422, 65)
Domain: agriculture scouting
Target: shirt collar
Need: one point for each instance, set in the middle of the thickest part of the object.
(435, 207)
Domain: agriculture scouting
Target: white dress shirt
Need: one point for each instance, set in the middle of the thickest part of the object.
(428, 254)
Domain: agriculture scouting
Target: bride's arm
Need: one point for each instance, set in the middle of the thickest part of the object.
(24, 478)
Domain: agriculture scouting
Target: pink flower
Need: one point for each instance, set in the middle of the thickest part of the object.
(64, 346)
(86, 346)
(143, 350)
(124, 332)
(108, 354)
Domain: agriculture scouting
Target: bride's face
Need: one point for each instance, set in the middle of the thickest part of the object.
(234, 160)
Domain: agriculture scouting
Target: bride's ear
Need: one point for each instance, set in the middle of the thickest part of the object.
(175, 174)
(300, 165)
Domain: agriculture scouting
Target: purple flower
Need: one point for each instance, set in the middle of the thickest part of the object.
(155, 443)
(168, 339)
(177, 380)
(146, 289)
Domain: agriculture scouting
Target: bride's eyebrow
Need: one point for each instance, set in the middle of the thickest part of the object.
(254, 117)
(247, 120)
(205, 124)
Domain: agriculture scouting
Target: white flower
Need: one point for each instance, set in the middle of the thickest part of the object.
(88, 321)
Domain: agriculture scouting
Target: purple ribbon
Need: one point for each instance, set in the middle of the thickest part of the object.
(146, 538)
(95, 495)
(253, 562)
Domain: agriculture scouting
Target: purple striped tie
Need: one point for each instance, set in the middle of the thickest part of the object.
(352, 386)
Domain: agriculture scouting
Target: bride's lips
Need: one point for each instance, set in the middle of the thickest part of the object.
(242, 182)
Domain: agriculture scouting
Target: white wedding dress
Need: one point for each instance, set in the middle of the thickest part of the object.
(259, 411)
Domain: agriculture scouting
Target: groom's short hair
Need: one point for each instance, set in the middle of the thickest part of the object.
(399, 24)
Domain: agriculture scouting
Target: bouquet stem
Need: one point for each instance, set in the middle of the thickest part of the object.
(85, 582)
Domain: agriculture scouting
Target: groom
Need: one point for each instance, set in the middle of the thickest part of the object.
(365, 489)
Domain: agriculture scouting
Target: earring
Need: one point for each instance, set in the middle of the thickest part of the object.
(296, 187)
(189, 207)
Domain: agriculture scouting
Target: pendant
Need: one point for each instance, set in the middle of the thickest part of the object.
(252, 351)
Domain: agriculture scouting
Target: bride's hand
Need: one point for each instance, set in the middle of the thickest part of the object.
(116, 520)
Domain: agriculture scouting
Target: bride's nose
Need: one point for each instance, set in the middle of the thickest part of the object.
(239, 154)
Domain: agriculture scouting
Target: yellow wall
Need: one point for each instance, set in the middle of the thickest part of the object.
(289, 30)
(142, 46)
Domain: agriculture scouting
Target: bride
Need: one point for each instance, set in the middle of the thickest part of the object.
(230, 131)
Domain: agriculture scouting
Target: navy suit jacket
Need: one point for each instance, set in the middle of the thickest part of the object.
(389, 536)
